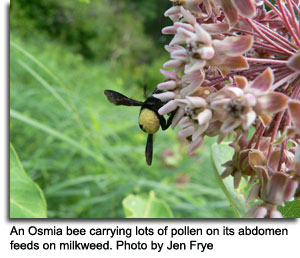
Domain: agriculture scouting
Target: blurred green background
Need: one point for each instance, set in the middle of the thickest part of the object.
(86, 154)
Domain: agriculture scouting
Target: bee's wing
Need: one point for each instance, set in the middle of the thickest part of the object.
(149, 149)
(119, 99)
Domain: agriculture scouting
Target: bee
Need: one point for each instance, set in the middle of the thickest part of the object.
(149, 119)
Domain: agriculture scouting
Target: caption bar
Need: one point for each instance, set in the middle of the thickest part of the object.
(128, 238)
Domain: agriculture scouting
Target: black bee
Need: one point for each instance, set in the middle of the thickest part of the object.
(149, 119)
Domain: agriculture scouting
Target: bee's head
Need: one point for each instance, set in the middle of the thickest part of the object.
(149, 121)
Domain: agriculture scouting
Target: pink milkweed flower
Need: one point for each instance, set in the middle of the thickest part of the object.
(246, 52)
(201, 49)
(240, 106)
(274, 189)
(194, 120)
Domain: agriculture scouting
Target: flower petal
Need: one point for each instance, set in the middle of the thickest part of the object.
(178, 116)
(188, 35)
(188, 17)
(253, 193)
(233, 92)
(204, 117)
(229, 63)
(251, 212)
(206, 53)
(250, 117)
(196, 77)
(245, 7)
(230, 11)
(220, 104)
(213, 129)
(172, 11)
(191, 82)
(196, 101)
(195, 66)
(202, 34)
(294, 62)
(169, 30)
(168, 85)
(169, 74)
(233, 46)
(179, 54)
(237, 179)
(190, 89)
(216, 28)
(297, 161)
(294, 109)
(165, 96)
(290, 190)
(249, 100)
(192, 5)
(195, 145)
(230, 124)
(275, 188)
(170, 49)
(186, 132)
(184, 122)
(265, 119)
(227, 172)
(199, 131)
(261, 212)
(274, 160)
(241, 81)
(183, 25)
(178, 39)
(262, 83)
(275, 214)
(263, 174)
(256, 158)
(173, 64)
(271, 103)
(167, 108)
(221, 115)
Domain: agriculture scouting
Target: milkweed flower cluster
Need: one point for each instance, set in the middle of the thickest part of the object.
(235, 64)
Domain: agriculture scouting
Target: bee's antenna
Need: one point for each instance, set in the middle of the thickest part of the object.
(145, 79)
(145, 90)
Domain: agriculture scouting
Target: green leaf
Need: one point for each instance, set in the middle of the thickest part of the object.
(137, 206)
(220, 154)
(26, 197)
(291, 209)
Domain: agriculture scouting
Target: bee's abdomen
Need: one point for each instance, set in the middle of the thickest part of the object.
(149, 121)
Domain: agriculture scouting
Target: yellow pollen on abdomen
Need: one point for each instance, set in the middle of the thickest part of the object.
(149, 121)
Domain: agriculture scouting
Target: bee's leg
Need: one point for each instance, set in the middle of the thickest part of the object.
(169, 122)
(163, 122)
